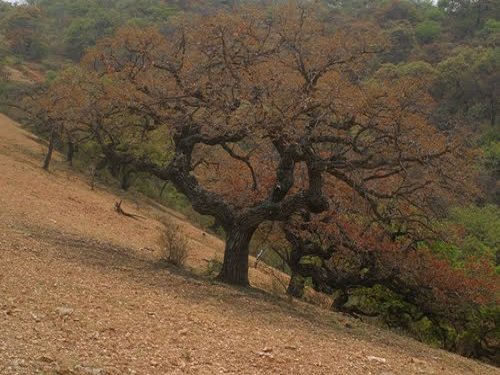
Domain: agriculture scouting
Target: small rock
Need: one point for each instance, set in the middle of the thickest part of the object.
(12, 312)
(267, 350)
(417, 361)
(183, 332)
(46, 359)
(265, 355)
(19, 362)
(64, 371)
(90, 370)
(64, 311)
(37, 318)
(178, 363)
(376, 359)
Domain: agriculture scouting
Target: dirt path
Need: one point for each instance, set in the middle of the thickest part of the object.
(81, 293)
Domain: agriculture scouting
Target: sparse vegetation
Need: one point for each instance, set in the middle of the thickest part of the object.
(214, 265)
(173, 245)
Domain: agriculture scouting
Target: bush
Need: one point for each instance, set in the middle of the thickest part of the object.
(427, 31)
(214, 266)
(173, 245)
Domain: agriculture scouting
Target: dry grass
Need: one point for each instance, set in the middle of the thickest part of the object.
(173, 245)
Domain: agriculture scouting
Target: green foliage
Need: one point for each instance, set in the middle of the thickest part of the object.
(491, 26)
(12, 92)
(311, 261)
(417, 70)
(467, 84)
(469, 16)
(433, 13)
(476, 234)
(50, 76)
(396, 10)
(269, 257)
(482, 225)
(87, 156)
(147, 10)
(393, 311)
(56, 27)
(4, 47)
(428, 31)
(85, 32)
(214, 266)
(22, 28)
(477, 335)
(492, 153)
(402, 38)
(5, 89)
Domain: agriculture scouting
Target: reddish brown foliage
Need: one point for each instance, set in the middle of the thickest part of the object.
(255, 115)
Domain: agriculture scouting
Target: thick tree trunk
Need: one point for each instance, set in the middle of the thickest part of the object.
(50, 149)
(296, 286)
(235, 267)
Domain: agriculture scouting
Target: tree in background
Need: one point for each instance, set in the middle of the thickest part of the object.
(468, 84)
(85, 32)
(469, 16)
(22, 29)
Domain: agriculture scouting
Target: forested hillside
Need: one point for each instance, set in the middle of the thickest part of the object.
(354, 145)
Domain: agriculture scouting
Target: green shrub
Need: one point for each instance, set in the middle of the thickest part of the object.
(214, 266)
(427, 31)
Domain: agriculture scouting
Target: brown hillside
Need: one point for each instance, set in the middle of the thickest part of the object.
(81, 293)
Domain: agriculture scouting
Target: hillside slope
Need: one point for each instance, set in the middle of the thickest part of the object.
(81, 293)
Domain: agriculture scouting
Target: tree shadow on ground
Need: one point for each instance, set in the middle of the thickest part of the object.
(196, 288)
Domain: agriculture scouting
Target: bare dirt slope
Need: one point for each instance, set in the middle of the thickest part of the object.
(81, 293)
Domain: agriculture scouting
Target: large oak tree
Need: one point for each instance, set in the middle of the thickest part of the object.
(255, 115)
